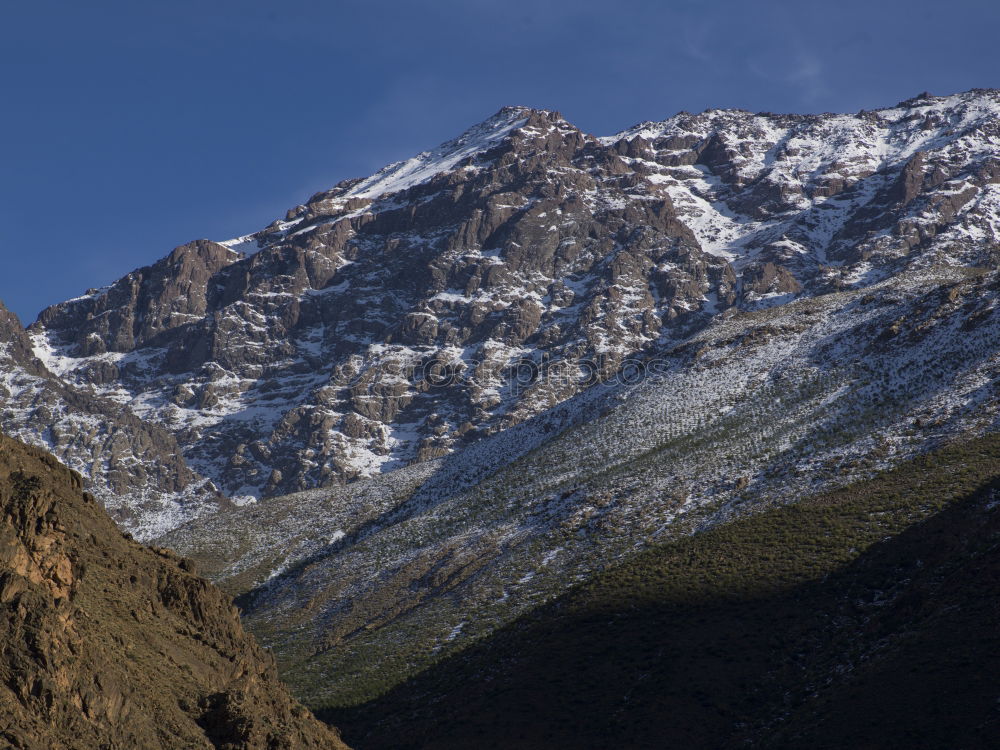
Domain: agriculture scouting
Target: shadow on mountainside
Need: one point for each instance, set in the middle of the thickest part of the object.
(772, 631)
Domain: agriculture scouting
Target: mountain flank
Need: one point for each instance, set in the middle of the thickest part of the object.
(441, 396)
(864, 618)
(110, 644)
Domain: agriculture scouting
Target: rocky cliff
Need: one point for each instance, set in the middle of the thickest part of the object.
(406, 315)
(135, 468)
(106, 643)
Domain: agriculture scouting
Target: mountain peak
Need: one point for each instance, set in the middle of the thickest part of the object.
(521, 238)
(476, 140)
(512, 110)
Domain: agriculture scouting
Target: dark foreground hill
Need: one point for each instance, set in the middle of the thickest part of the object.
(109, 644)
(868, 617)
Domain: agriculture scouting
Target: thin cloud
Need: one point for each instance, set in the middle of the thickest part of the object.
(808, 74)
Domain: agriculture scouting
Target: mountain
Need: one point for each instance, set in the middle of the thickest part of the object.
(498, 368)
(407, 315)
(378, 579)
(135, 468)
(865, 617)
(110, 644)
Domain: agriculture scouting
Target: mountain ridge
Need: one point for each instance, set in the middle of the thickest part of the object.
(695, 215)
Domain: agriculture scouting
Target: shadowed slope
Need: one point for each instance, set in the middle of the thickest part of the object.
(865, 617)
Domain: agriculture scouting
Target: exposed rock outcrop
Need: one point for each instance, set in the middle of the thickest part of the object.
(134, 467)
(110, 644)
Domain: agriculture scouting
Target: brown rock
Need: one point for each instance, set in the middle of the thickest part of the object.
(106, 643)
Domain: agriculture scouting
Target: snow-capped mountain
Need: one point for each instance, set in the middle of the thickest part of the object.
(457, 294)
(537, 351)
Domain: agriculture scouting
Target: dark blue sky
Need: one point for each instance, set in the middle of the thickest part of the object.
(131, 127)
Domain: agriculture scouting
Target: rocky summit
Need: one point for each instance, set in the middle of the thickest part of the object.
(447, 298)
(109, 644)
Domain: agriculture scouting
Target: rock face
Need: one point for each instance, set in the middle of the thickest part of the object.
(134, 468)
(404, 316)
(110, 644)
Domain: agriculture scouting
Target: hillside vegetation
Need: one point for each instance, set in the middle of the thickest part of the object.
(864, 617)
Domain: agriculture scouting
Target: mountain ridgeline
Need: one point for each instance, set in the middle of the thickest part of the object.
(300, 355)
